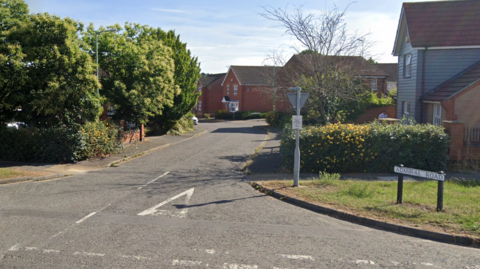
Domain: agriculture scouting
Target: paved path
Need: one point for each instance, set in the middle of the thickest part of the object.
(190, 206)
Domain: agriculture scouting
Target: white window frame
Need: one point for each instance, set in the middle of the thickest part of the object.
(374, 84)
(199, 89)
(235, 89)
(437, 114)
(406, 109)
(228, 89)
(407, 65)
(199, 106)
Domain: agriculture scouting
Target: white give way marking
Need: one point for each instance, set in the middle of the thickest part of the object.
(154, 211)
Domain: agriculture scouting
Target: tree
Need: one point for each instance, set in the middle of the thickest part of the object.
(45, 78)
(325, 69)
(186, 75)
(139, 79)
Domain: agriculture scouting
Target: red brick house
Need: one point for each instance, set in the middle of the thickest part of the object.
(211, 92)
(253, 88)
(305, 64)
(391, 69)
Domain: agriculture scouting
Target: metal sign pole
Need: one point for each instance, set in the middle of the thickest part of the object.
(440, 194)
(296, 175)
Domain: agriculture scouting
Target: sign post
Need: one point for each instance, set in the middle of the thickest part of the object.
(440, 177)
(297, 99)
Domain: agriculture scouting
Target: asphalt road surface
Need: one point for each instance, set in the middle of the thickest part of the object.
(190, 206)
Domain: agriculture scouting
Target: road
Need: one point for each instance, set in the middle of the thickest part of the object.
(190, 206)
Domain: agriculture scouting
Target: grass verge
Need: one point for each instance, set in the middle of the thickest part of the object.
(377, 200)
(14, 173)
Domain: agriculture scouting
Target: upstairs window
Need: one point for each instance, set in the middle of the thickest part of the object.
(235, 89)
(228, 89)
(200, 89)
(373, 81)
(407, 69)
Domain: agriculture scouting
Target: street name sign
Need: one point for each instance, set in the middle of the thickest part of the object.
(297, 122)
(419, 173)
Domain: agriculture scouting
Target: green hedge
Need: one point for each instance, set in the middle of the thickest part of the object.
(274, 118)
(58, 144)
(239, 115)
(367, 148)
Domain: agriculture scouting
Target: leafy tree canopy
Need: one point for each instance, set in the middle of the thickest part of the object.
(45, 78)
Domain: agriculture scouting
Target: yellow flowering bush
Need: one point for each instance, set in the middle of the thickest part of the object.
(366, 148)
(98, 138)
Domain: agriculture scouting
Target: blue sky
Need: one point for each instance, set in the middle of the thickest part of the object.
(224, 33)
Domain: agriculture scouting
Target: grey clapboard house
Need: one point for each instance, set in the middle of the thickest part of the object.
(438, 49)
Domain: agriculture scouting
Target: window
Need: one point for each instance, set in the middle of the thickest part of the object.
(235, 89)
(407, 66)
(406, 109)
(373, 81)
(228, 89)
(437, 114)
(199, 106)
(199, 89)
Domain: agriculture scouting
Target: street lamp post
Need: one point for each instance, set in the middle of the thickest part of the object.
(96, 50)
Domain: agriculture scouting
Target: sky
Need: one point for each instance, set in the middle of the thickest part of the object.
(223, 33)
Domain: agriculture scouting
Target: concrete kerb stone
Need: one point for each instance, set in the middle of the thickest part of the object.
(23, 179)
(415, 232)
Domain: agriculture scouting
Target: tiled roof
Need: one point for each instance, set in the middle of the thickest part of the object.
(443, 23)
(390, 69)
(255, 75)
(456, 85)
(211, 78)
(356, 63)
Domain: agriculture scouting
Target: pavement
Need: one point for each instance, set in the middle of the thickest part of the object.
(129, 152)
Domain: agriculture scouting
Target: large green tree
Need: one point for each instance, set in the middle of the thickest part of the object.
(45, 78)
(138, 74)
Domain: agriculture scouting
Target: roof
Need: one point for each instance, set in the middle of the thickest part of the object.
(456, 85)
(391, 69)
(357, 64)
(443, 24)
(207, 80)
(255, 75)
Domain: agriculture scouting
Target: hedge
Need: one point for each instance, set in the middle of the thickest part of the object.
(366, 148)
(239, 115)
(60, 144)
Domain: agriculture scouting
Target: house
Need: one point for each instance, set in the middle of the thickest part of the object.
(211, 92)
(438, 49)
(253, 88)
(307, 64)
(392, 75)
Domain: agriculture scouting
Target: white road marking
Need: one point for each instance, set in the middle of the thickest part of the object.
(364, 262)
(239, 266)
(15, 248)
(50, 251)
(181, 214)
(89, 254)
(186, 263)
(138, 258)
(139, 188)
(86, 217)
(296, 257)
(210, 251)
(31, 248)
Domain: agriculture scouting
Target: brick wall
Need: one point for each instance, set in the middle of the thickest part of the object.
(373, 113)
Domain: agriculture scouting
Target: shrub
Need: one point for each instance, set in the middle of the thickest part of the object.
(184, 125)
(58, 144)
(361, 148)
(223, 114)
(274, 117)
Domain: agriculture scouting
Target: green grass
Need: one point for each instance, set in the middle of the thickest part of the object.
(14, 173)
(377, 199)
